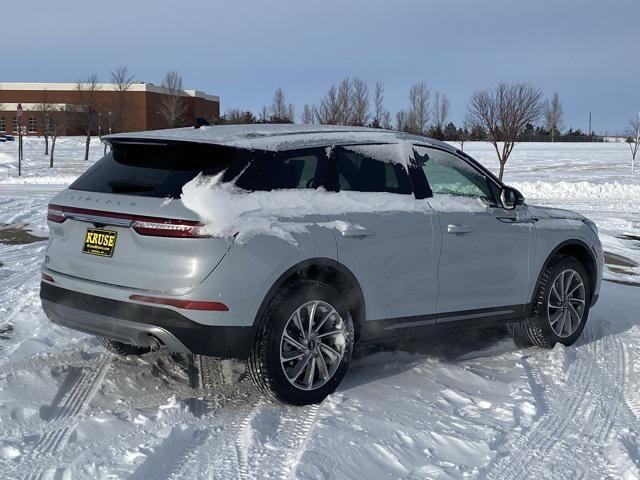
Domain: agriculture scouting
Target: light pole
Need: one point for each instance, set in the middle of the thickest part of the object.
(19, 123)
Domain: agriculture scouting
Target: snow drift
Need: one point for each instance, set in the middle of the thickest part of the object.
(227, 210)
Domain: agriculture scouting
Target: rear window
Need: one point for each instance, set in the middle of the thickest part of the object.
(152, 170)
(161, 170)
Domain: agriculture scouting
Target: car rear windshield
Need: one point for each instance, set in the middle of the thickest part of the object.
(161, 170)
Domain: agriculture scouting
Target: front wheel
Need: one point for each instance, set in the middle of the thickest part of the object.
(304, 344)
(561, 305)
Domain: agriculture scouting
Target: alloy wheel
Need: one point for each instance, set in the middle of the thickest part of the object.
(312, 345)
(566, 305)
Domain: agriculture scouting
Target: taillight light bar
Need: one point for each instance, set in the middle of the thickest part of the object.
(47, 278)
(143, 225)
(185, 304)
(55, 214)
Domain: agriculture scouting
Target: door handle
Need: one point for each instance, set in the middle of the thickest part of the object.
(356, 233)
(516, 220)
(458, 229)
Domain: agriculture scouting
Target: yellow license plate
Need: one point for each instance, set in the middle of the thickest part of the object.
(99, 242)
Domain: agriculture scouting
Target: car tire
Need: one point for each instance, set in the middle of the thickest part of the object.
(557, 316)
(122, 349)
(280, 349)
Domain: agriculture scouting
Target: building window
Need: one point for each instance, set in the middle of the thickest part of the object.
(49, 124)
(32, 124)
(15, 124)
(3, 127)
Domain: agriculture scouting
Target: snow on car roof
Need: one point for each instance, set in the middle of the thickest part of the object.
(274, 137)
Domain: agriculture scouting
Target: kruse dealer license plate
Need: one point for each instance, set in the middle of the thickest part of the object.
(99, 242)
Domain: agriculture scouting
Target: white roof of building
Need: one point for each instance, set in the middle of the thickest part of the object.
(135, 87)
(274, 137)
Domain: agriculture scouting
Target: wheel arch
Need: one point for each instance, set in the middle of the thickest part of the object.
(580, 251)
(327, 271)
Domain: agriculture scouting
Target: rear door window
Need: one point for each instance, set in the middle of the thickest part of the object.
(370, 168)
(283, 170)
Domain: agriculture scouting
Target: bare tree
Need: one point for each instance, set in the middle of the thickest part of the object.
(359, 103)
(381, 116)
(263, 115)
(45, 107)
(553, 116)
(88, 104)
(173, 107)
(329, 111)
(504, 113)
(464, 132)
(441, 106)
(235, 116)
(401, 121)
(345, 102)
(121, 82)
(308, 114)
(280, 111)
(58, 120)
(418, 114)
(633, 139)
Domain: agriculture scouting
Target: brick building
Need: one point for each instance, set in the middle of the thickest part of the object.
(141, 107)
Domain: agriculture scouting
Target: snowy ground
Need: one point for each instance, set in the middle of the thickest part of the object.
(463, 406)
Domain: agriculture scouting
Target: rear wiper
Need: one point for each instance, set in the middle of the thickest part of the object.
(123, 187)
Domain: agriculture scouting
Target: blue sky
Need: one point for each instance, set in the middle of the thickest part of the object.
(588, 51)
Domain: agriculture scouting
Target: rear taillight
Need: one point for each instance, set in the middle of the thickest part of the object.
(47, 278)
(169, 228)
(143, 225)
(55, 214)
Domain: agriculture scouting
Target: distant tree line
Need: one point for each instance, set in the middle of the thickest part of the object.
(503, 116)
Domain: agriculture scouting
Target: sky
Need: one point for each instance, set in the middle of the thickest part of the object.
(585, 50)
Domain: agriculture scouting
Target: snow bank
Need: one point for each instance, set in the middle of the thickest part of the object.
(226, 209)
(578, 191)
(39, 180)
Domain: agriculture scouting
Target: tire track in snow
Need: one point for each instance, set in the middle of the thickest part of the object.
(593, 421)
(244, 437)
(276, 456)
(204, 446)
(537, 440)
(75, 401)
(632, 375)
(580, 419)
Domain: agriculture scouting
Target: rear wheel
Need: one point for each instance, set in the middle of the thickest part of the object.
(561, 305)
(122, 349)
(304, 344)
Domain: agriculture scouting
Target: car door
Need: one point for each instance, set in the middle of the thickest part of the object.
(484, 265)
(388, 239)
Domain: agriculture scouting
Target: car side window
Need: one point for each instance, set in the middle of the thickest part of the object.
(281, 170)
(450, 175)
(371, 168)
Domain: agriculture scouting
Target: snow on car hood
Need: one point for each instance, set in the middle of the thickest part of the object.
(227, 210)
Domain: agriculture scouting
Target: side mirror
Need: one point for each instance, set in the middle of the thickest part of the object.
(511, 198)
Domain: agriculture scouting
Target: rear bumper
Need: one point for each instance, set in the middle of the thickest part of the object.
(134, 324)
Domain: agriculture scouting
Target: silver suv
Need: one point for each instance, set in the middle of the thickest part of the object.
(372, 235)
